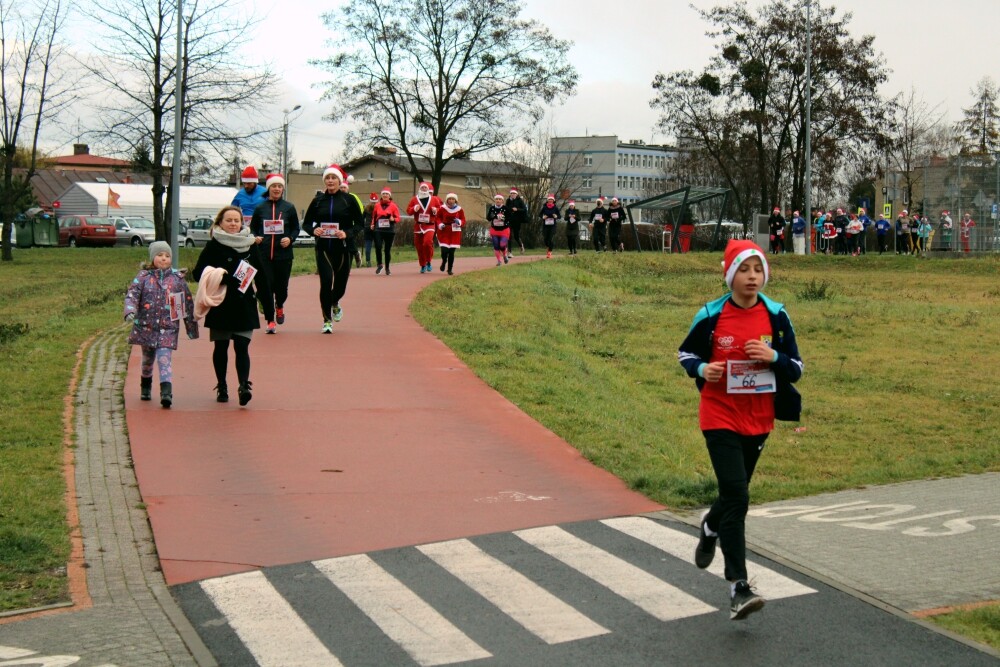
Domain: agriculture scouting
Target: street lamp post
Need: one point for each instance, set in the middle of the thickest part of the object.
(284, 144)
(808, 179)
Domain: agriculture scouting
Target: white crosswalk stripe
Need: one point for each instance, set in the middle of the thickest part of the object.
(655, 596)
(266, 623)
(540, 612)
(681, 545)
(426, 635)
(528, 587)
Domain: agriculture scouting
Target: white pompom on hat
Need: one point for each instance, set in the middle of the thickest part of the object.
(738, 252)
(249, 175)
(350, 178)
(336, 171)
(275, 178)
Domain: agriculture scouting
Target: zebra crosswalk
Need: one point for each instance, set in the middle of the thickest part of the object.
(504, 597)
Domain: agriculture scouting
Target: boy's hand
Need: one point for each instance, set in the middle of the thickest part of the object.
(758, 350)
(714, 371)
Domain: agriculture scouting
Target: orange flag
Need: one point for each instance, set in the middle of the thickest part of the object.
(113, 198)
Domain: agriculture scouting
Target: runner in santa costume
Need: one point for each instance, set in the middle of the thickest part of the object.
(385, 215)
(451, 220)
(499, 229)
(424, 208)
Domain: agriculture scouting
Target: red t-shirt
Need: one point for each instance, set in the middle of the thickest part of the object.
(746, 414)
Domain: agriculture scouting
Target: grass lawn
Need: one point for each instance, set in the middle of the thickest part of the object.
(894, 389)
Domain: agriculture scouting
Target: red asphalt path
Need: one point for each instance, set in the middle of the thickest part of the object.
(375, 437)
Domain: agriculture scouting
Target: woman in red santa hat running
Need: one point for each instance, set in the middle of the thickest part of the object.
(451, 220)
(385, 215)
(424, 208)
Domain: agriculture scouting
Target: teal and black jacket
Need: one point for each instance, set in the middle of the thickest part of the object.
(697, 350)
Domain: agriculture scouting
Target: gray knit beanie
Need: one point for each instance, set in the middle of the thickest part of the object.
(156, 247)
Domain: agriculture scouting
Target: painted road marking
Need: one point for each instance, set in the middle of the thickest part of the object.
(772, 585)
(266, 623)
(426, 635)
(536, 609)
(655, 596)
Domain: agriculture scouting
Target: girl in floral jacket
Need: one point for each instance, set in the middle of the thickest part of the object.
(156, 302)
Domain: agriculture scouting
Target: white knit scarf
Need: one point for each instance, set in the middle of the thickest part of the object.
(240, 241)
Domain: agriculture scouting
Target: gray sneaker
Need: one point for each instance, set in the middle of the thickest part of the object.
(744, 601)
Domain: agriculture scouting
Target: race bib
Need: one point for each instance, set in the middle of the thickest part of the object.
(614, 216)
(456, 227)
(550, 221)
(175, 303)
(383, 223)
(746, 376)
(329, 229)
(274, 227)
(424, 219)
(598, 218)
(572, 219)
(498, 222)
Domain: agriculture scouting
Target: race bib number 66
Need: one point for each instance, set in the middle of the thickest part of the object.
(745, 376)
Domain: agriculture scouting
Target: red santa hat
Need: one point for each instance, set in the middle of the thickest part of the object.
(614, 200)
(738, 252)
(600, 201)
(336, 171)
(249, 175)
(776, 210)
(451, 195)
(274, 178)
(861, 211)
(550, 196)
(571, 203)
(945, 212)
(905, 212)
(498, 196)
(424, 185)
(840, 211)
(373, 196)
(387, 191)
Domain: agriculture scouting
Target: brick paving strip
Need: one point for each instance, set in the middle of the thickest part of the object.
(123, 615)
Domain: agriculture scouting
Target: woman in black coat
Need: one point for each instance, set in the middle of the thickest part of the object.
(235, 317)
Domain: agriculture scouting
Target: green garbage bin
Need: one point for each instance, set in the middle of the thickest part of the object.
(23, 232)
(45, 229)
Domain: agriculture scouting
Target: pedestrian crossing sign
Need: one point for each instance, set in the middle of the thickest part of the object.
(887, 210)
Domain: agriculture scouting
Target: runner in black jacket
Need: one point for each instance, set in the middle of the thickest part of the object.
(275, 225)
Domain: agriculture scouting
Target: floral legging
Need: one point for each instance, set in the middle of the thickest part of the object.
(162, 356)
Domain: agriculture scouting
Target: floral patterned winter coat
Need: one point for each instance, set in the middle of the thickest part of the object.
(148, 300)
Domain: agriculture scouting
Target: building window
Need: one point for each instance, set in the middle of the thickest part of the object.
(619, 182)
(631, 182)
(588, 160)
(394, 177)
(473, 182)
(371, 175)
(588, 183)
(619, 160)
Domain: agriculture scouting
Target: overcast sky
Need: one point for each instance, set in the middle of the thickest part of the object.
(941, 49)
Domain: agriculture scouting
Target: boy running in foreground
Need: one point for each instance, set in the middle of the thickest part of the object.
(741, 351)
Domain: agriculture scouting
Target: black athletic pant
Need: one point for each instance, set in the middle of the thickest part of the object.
(220, 359)
(600, 237)
(384, 239)
(278, 271)
(548, 236)
(515, 234)
(571, 240)
(734, 458)
(448, 259)
(882, 245)
(333, 263)
(615, 232)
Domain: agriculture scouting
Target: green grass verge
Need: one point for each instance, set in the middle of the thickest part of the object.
(981, 624)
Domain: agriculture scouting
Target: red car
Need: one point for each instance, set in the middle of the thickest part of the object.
(81, 230)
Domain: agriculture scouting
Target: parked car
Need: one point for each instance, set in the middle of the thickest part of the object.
(92, 230)
(134, 231)
(197, 231)
(304, 239)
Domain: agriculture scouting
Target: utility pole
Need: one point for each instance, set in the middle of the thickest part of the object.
(175, 175)
(808, 183)
(284, 143)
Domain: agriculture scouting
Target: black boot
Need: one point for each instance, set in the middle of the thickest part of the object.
(146, 389)
(166, 394)
(244, 392)
(222, 393)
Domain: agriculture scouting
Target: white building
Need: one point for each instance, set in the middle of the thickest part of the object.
(604, 166)
(137, 200)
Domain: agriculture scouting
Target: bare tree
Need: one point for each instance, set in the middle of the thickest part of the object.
(910, 138)
(436, 78)
(28, 40)
(137, 66)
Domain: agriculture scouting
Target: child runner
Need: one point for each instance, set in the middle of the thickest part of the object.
(550, 216)
(156, 301)
(741, 351)
(424, 207)
(451, 220)
(229, 250)
(499, 229)
(332, 217)
(924, 234)
(275, 225)
(385, 215)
